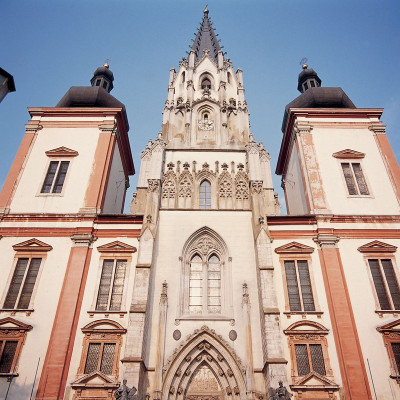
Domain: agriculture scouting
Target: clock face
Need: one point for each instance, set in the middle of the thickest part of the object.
(206, 124)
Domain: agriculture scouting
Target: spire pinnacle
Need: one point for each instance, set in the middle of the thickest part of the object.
(206, 39)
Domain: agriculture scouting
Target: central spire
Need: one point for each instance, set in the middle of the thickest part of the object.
(206, 39)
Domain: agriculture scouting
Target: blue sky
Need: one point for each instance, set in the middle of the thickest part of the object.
(49, 46)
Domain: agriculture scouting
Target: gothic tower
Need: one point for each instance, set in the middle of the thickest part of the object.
(204, 189)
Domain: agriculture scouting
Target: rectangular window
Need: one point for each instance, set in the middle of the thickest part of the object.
(100, 357)
(55, 177)
(309, 357)
(355, 181)
(396, 355)
(111, 286)
(299, 286)
(22, 283)
(385, 282)
(8, 349)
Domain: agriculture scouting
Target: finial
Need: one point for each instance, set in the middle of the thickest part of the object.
(206, 9)
(303, 63)
(106, 63)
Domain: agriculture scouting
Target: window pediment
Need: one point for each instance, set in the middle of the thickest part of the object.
(393, 326)
(95, 378)
(104, 326)
(315, 379)
(348, 153)
(13, 325)
(32, 245)
(377, 247)
(294, 248)
(306, 327)
(115, 247)
(62, 152)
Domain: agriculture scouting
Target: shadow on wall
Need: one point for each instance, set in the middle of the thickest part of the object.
(17, 389)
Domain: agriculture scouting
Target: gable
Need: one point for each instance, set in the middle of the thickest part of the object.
(32, 245)
(302, 327)
(393, 326)
(377, 247)
(315, 379)
(12, 324)
(116, 247)
(95, 378)
(294, 248)
(62, 152)
(345, 154)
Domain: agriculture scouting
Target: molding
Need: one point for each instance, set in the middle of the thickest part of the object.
(314, 328)
(83, 239)
(18, 325)
(348, 154)
(32, 245)
(62, 152)
(97, 326)
(116, 247)
(377, 247)
(326, 240)
(294, 248)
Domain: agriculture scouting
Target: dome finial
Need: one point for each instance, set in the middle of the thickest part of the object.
(206, 9)
(303, 63)
(106, 63)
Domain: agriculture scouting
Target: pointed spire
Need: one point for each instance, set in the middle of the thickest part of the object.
(206, 39)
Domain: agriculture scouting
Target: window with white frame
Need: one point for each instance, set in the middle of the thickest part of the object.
(298, 284)
(22, 283)
(385, 282)
(55, 177)
(111, 287)
(24, 275)
(354, 178)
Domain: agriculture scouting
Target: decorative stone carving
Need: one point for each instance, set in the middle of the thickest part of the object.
(206, 244)
(256, 187)
(124, 392)
(154, 185)
(281, 393)
(168, 189)
(185, 186)
(233, 335)
(177, 334)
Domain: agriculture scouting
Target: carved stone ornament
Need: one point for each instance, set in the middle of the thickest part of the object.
(124, 392)
(233, 335)
(205, 245)
(281, 393)
(154, 185)
(177, 334)
(256, 187)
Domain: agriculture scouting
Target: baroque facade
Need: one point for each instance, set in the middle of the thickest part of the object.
(204, 291)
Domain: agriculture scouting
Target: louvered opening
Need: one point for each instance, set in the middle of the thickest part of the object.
(391, 282)
(92, 358)
(379, 284)
(8, 349)
(48, 181)
(348, 176)
(362, 185)
(107, 359)
(317, 359)
(105, 283)
(62, 172)
(15, 284)
(305, 284)
(29, 283)
(292, 286)
(303, 365)
(118, 285)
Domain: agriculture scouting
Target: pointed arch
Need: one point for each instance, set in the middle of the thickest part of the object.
(206, 288)
(203, 348)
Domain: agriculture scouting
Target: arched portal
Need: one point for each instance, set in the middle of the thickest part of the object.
(204, 367)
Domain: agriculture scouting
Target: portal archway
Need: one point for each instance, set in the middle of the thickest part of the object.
(204, 357)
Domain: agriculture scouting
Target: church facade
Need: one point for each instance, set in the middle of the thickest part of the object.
(204, 291)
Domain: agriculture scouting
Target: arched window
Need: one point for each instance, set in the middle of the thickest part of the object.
(206, 277)
(205, 195)
(205, 285)
(206, 83)
(183, 77)
(229, 77)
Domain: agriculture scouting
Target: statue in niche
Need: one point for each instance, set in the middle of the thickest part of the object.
(124, 393)
(280, 393)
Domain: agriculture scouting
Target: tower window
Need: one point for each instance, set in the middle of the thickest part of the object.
(305, 86)
(55, 177)
(183, 77)
(312, 83)
(205, 195)
(206, 83)
(355, 181)
(105, 85)
(229, 77)
(98, 82)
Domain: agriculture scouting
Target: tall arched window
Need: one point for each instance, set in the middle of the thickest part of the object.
(205, 285)
(206, 277)
(205, 195)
